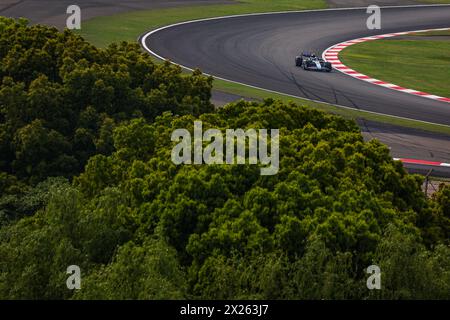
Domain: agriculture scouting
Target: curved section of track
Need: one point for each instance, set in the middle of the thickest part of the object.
(332, 55)
(259, 50)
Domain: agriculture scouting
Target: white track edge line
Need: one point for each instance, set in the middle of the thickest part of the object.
(142, 41)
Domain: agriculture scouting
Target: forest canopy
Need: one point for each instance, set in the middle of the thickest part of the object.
(60, 99)
(86, 179)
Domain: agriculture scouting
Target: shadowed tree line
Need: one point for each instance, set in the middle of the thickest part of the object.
(87, 179)
(61, 98)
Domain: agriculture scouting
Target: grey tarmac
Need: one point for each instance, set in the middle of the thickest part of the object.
(404, 142)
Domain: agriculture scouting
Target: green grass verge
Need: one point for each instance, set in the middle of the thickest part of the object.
(435, 1)
(431, 33)
(102, 31)
(354, 114)
(416, 64)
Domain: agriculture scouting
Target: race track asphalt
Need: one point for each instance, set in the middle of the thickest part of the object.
(259, 50)
(404, 142)
(53, 12)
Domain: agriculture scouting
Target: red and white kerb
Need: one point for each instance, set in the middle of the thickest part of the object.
(423, 162)
(332, 55)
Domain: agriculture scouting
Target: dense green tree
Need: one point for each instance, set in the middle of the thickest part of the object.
(147, 271)
(141, 227)
(37, 250)
(409, 271)
(225, 231)
(221, 217)
(60, 98)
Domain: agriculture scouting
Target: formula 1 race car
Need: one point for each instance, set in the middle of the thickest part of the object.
(309, 61)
